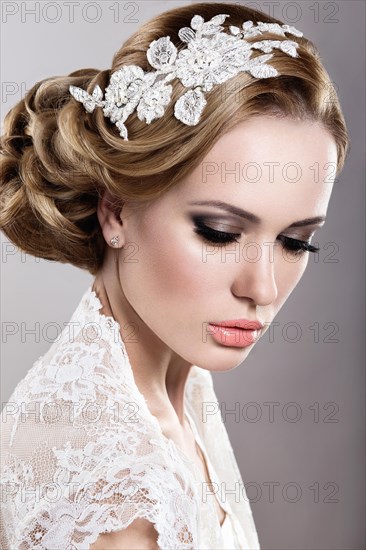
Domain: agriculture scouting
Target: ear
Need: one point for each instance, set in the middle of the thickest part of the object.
(109, 216)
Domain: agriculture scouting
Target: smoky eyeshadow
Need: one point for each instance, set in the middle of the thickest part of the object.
(216, 222)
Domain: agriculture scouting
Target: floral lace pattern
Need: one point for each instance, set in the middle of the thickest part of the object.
(83, 455)
(211, 57)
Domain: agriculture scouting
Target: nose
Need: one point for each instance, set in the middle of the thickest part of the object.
(255, 278)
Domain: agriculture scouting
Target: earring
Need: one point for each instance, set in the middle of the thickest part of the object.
(114, 240)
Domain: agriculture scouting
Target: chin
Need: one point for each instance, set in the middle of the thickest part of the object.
(224, 358)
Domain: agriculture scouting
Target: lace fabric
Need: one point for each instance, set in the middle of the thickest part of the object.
(81, 454)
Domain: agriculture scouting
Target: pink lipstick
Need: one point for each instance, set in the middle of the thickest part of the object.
(237, 332)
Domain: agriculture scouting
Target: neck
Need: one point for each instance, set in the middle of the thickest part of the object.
(159, 373)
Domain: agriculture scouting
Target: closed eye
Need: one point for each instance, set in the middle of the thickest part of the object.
(220, 238)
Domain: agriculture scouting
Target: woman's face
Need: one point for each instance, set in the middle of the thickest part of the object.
(180, 267)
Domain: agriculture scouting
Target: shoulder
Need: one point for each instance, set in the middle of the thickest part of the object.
(114, 489)
(91, 461)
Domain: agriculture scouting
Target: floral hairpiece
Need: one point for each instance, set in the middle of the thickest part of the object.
(211, 57)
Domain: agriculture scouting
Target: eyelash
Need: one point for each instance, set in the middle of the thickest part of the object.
(220, 238)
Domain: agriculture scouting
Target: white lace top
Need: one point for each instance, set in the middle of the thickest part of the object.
(81, 454)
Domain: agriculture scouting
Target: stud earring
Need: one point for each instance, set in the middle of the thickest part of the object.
(114, 240)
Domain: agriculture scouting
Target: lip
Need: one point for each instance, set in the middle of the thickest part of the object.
(239, 333)
(246, 324)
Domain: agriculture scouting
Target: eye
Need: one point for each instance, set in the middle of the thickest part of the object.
(210, 235)
(220, 238)
(296, 246)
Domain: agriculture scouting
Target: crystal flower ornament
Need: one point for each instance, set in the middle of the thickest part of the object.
(211, 57)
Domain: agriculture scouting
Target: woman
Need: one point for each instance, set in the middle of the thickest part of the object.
(191, 200)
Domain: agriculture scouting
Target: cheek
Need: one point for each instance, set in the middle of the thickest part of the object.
(288, 275)
(170, 267)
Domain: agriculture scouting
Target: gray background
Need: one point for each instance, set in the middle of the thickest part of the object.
(301, 366)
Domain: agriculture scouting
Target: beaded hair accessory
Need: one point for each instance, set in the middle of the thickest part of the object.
(211, 57)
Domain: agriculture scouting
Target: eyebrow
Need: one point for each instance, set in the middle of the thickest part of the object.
(252, 217)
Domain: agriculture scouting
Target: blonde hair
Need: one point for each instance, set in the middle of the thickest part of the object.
(56, 159)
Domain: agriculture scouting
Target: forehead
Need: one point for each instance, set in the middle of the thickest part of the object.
(281, 164)
(261, 141)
